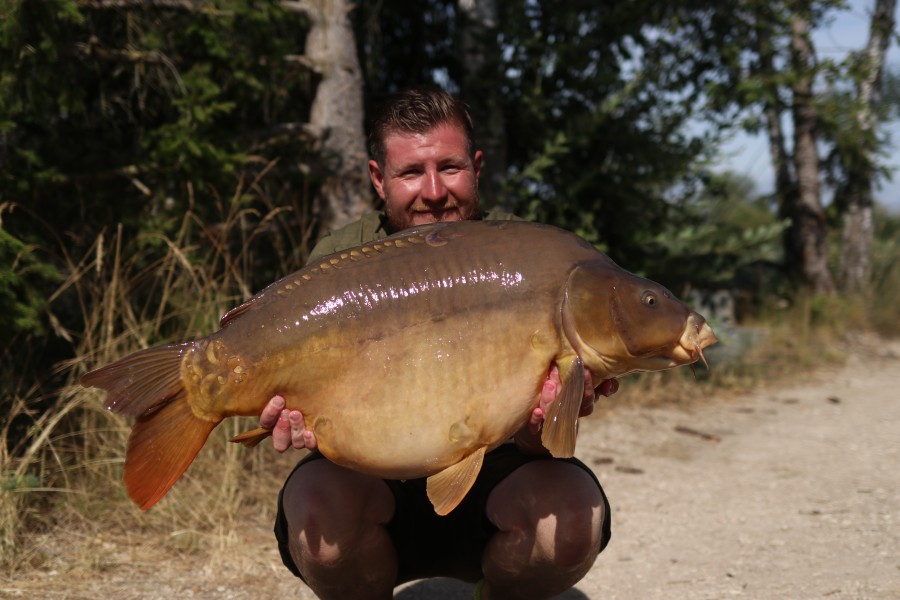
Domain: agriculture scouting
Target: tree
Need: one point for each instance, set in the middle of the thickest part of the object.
(142, 116)
(807, 237)
(337, 116)
(598, 99)
(854, 194)
(782, 70)
(781, 77)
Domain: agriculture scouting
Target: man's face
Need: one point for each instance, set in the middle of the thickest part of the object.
(427, 177)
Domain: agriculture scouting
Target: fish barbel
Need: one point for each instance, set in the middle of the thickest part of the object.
(442, 335)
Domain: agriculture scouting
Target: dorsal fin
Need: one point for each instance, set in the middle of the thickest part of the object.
(447, 488)
(338, 260)
(237, 311)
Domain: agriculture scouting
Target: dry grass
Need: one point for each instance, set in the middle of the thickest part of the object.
(66, 468)
(65, 472)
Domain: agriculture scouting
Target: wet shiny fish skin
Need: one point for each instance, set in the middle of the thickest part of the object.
(411, 355)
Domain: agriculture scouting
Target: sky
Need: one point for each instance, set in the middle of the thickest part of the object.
(749, 155)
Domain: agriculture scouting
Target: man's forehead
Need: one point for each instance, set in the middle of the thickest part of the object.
(446, 129)
(443, 142)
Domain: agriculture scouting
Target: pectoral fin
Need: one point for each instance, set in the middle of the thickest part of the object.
(561, 420)
(447, 488)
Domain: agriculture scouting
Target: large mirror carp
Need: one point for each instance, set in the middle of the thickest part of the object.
(442, 335)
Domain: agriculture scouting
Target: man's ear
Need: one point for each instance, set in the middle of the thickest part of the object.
(476, 164)
(377, 177)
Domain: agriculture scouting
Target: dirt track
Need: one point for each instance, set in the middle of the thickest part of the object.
(796, 495)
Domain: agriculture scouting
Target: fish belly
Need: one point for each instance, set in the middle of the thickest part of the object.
(417, 405)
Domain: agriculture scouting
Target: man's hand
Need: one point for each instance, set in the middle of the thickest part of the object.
(288, 427)
(529, 438)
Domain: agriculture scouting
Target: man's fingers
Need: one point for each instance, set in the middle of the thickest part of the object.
(588, 385)
(537, 419)
(271, 412)
(553, 375)
(281, 432)
(298, 428)
(549, 393)
(608, 387)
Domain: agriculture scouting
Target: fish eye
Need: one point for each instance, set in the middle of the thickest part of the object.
(648, 298)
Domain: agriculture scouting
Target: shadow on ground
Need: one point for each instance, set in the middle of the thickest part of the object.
(452, 589)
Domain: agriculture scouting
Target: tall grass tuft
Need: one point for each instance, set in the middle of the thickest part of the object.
(884, 299)
(133, 293)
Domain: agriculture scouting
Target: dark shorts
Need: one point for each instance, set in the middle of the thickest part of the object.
(429, 545)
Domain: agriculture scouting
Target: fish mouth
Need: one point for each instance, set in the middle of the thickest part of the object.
(697, 336)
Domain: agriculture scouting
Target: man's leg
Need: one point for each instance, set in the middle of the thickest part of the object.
(550, 518)
(336, 523)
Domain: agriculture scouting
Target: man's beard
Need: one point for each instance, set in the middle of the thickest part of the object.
(449, 212)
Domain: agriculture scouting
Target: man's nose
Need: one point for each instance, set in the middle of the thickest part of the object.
(433, 188)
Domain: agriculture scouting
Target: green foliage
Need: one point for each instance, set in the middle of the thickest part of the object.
(126, 117)
(596, 98)
(596, 154)
(110, 113)
(853, 149)
(715, 235)
(23, 279)
(26, 481)
(891, 94)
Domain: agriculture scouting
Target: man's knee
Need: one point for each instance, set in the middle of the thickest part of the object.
(556, 505)
(329, 509)
(576, 540)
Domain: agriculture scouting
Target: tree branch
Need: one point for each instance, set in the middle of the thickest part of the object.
(283, 132)
(297, 6)
(92, 49)
(304, 61)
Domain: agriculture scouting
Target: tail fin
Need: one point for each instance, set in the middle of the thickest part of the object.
(167, 435)
(163, 444)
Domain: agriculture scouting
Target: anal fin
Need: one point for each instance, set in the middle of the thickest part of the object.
(447, 488)
(162, 446)
(561, 421)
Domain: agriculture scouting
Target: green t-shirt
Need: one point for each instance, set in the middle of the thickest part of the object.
(373, 226)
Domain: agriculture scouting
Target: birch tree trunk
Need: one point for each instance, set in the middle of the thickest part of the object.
(856, 195)
(337, 112)
(808, 244)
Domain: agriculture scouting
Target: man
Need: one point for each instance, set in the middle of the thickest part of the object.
(531, 526)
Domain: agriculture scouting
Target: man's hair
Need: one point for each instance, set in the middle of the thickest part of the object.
(417, 110)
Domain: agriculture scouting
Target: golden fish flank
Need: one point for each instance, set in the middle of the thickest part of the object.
(446, 332)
